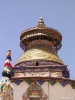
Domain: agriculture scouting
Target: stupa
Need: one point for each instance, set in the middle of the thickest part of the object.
(40, 74)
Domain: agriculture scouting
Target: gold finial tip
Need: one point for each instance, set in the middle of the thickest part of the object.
(41, 17)
(41, 20)
(41, 23)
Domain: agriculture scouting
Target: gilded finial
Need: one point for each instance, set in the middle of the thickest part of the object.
(41, 23)
(41, 20)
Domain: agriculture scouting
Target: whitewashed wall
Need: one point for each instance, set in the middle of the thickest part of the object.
(19, 90)
(56, 92)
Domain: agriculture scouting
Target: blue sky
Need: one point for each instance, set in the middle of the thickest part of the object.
(18, 15)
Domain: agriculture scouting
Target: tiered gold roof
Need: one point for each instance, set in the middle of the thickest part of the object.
(42, 53)
(41, 29)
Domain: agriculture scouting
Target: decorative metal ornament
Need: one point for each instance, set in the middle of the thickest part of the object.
(35, 90)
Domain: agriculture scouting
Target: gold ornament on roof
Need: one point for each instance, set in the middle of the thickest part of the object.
(41, 23)
(32, 38)
(43, 53)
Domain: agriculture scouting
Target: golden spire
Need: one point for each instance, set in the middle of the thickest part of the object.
(41, 23)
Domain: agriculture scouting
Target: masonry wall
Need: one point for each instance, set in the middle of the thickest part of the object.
(55, 92)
